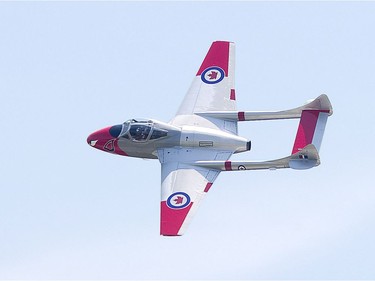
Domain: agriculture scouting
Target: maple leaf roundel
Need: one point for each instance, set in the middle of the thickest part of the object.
(212, 75)
(178, 200)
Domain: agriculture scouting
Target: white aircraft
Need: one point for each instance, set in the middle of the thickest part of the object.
(195, 146)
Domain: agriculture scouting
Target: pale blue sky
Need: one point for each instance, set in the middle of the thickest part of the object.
(68, 211)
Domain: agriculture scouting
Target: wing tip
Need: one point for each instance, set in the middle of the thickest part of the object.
(170, 235)
(217, 55)
(172, 220)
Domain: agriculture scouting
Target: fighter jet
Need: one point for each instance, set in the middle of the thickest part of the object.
(195, 146)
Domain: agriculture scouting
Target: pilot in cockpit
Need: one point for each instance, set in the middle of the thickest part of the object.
(140, 134)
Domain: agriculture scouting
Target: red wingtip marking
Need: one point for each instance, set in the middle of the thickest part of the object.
(171, 220)
(217, 55)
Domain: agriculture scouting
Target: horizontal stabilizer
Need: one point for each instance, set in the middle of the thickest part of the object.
(321, 104)
(304, 159)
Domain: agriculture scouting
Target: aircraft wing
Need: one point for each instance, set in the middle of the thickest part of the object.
(183, 186)
(211, 90)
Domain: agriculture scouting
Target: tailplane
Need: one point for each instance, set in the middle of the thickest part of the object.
(305, 153)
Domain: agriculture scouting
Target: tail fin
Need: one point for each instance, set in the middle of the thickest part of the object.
(312, 124)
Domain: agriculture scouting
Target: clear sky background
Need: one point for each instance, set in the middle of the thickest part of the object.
(68, 211)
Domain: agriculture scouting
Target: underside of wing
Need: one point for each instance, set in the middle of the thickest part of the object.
(211, 90)
(183, 186)
(182, 191)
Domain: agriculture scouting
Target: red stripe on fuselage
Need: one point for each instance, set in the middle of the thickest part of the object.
(218, 55)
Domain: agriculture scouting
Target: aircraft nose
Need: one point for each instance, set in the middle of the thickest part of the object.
(104, 139)
(99, 136)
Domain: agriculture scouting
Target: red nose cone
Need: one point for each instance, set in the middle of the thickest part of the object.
(107, 140)
(100, 138)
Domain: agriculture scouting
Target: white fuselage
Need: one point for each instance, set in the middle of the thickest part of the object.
(185, 136)
(200, 137)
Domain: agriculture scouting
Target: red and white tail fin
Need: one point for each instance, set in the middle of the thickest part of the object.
(312, 124)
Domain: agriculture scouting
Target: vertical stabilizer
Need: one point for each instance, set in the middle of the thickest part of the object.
(312, 124)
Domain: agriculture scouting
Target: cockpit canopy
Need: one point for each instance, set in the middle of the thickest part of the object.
(141, 130)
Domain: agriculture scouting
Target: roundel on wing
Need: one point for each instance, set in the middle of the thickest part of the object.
(178, 200)
(212, 75)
